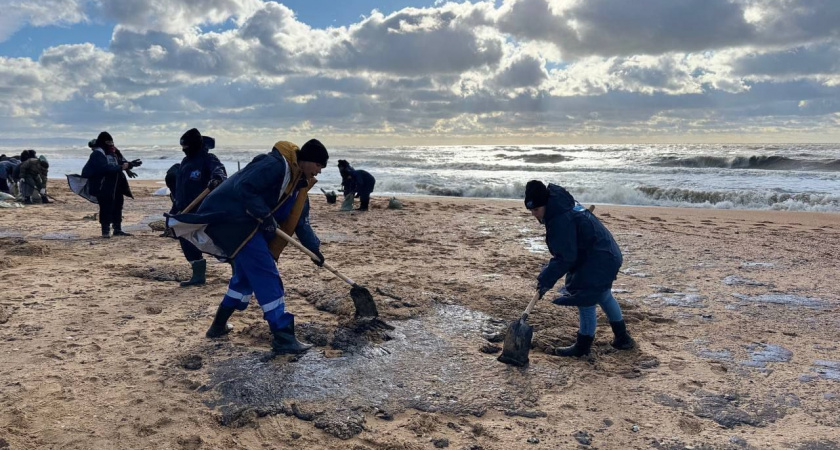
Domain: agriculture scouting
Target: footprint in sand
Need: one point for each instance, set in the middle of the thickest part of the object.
(657, 219)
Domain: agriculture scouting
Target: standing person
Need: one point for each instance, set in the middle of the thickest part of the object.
(585, 252)
(238, 221)
(199, 170)
(359, 181)
(107, 182)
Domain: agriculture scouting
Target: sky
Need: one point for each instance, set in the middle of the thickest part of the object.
(422, 72)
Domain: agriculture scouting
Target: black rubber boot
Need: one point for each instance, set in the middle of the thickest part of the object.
(199, 270)
(581, 347)
(106, 232)
(220, 327)
(120, 233)
(44, 199)
(622, 340)
(285, 342)
(27, 200)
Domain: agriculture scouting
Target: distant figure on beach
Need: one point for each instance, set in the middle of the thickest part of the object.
(585, 252)
(356, 183)
(106, 170)
(199, 170)
(9, 174)
(33, 176)
(238, 222)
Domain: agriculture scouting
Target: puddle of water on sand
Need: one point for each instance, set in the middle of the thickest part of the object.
(535, 244)
(431, 364)
(757, 265)
(10, 234)
(783, 299)
(59, 236)
(680, 299)
(735, 280)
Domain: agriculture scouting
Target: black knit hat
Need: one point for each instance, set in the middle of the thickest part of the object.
(192, 140)
(103, 138)
(536, 194)
(313, 150)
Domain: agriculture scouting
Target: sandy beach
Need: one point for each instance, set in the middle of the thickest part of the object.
(734, 311)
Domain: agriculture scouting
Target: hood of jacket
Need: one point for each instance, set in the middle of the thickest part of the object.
(560, 201)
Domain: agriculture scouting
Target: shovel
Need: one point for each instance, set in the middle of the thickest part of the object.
(518, 339)
(365, 307)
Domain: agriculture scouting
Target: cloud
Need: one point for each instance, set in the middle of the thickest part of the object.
(521, 68)
(173, 16)
(17, 14)
(415, 42)
(618, 27)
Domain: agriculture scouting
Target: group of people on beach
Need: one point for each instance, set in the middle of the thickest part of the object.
(25, 176)
(236, 219)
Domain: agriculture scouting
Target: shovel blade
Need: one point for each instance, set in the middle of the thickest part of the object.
(363, 301)
(517, 344)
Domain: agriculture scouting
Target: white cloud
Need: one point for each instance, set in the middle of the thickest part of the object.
(524, 68)
(17, 14)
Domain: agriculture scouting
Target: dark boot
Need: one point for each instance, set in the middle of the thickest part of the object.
(106, 232)
(581, 347)
(199, 270)
(120, 233)
(622, 340)
(285, 342)
(220, 327)
(27, 200)
(45, 199)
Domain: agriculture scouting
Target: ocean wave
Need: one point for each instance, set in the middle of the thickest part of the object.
(742, 199)
(539, 158)
(759, 162)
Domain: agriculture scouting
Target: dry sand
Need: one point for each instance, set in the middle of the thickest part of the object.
(735, 313)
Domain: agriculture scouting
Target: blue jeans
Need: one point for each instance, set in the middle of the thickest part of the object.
(586, 314)
(255, 272)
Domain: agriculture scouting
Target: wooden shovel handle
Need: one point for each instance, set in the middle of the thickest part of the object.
(300, 247)
(196, 201)
(531, 306)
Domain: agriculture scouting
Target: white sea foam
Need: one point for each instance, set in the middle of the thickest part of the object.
(797, 177)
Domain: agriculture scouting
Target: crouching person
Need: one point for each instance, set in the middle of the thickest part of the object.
(238, 222)
(585, 252)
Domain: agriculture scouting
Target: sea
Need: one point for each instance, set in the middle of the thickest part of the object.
(795, 177)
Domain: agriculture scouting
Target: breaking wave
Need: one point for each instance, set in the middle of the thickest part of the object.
(762, 162)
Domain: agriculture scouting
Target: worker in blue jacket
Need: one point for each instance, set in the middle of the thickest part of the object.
(199, 170)
(585, 252)
(238, 222)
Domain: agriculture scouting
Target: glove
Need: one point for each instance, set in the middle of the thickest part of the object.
(269, 227)
(43, 191)
(130, 173)
(543, 289)
(214, 183)
(320, 261)
(136, 163)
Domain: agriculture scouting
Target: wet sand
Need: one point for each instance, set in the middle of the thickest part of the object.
(735, 313)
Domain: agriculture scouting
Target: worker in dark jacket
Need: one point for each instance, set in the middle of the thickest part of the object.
(199, 170)
(107, 182)
(30, 177)
(355, 181)
(585, 252)
(7, 174)
(238, 222)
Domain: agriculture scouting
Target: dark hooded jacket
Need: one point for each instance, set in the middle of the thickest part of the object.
(358, 181)
(105, 175)
(581, 247)
(194, 173)
(232, 212)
